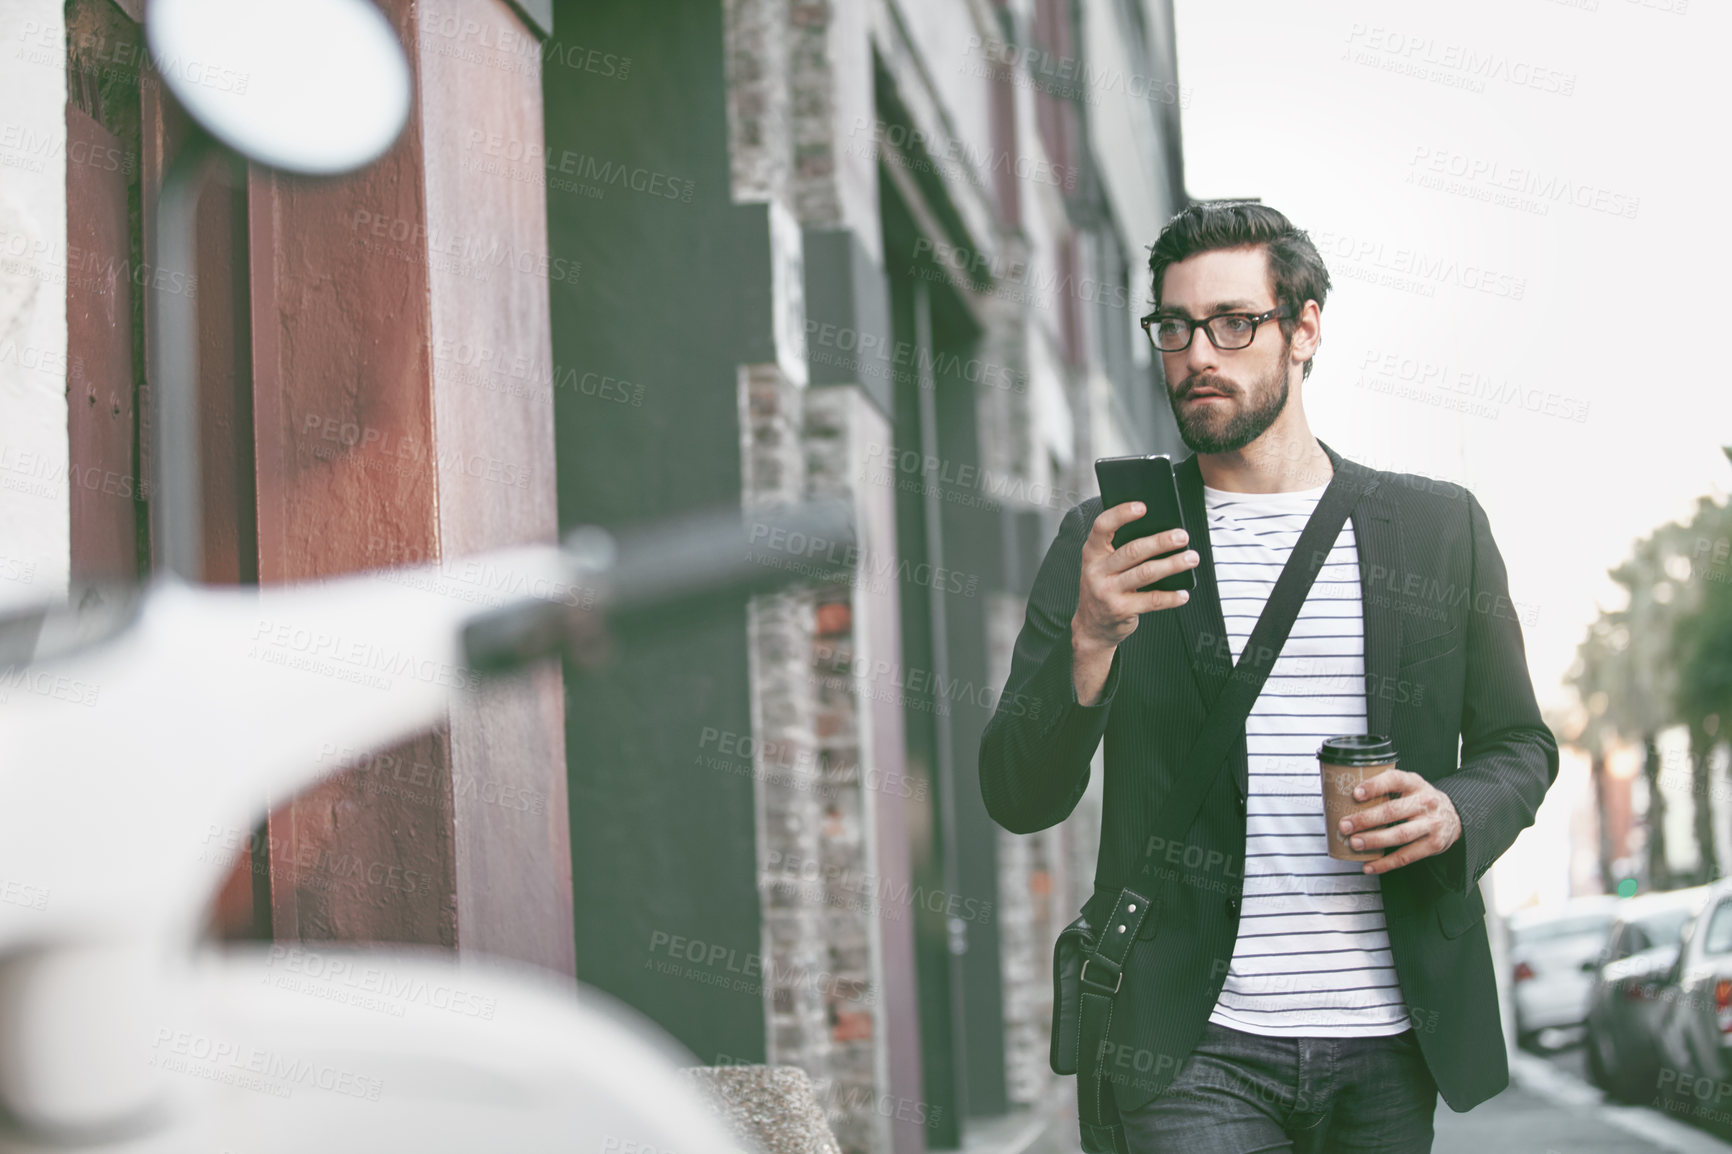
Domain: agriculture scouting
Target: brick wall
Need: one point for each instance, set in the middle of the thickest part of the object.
(784, 715)
(854, 900)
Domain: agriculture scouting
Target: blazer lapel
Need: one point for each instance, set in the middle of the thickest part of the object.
(1377, 537)
(1206, 643)
(1382, 566)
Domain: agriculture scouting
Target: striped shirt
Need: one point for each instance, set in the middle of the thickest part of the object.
(1312, 957)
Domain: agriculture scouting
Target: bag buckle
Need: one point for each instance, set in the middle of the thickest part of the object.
(1084, 977)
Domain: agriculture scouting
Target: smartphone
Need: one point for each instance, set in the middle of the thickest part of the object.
(1150, 480)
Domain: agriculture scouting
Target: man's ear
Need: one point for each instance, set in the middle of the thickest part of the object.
(1308, 332)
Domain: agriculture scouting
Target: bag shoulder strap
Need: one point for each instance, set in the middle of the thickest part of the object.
(1100, 1127)
(1224, 725)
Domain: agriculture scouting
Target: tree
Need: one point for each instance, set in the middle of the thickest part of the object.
(1649, 674)
(1703, 643)
(1664, 659)
(1595, 677)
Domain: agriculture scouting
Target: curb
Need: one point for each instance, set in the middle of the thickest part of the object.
(1542, 1079)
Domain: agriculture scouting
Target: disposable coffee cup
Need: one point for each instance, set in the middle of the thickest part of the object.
(1346, 762)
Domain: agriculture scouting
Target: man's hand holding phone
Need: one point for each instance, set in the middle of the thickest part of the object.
(1108, 603)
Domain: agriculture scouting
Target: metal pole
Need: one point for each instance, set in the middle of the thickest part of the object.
(176, 502)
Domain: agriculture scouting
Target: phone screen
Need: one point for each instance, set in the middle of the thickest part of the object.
(1148, 479)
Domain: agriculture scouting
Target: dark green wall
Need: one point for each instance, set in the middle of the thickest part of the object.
(662, 846)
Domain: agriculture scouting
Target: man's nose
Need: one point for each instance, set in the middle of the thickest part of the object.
(1202, 356)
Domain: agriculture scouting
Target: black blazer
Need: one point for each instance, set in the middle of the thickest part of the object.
(1443, 659)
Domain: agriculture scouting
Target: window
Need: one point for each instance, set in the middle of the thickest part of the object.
(1657, 929)
(1556, 929)
(1719, 939)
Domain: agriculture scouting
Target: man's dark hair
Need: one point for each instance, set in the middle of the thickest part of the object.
(1205, 226)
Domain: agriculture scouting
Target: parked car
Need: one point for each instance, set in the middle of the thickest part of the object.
(1548, 946)
(1694, 1038)
(1624, 1009)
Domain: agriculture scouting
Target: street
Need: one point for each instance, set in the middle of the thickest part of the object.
(1552, 1108)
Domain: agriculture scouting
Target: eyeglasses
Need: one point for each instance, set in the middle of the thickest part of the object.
(1227, 331)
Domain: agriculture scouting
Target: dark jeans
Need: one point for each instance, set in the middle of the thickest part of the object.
(1238, 1093)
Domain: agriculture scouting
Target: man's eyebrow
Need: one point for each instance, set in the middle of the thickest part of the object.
(1235, 306)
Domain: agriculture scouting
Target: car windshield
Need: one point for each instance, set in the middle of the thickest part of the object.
(1557, 929)
(1662, 927)
(1719, 939)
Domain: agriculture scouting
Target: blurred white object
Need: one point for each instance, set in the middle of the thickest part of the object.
(123, 765)
(315, 87)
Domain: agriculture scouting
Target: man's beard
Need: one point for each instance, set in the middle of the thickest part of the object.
(1201, 436)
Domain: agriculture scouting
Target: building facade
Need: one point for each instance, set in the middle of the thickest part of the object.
(631, 262)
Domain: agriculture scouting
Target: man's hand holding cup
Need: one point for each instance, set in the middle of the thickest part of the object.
(1417, 820)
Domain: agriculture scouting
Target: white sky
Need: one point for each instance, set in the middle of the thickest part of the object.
(1276, 105)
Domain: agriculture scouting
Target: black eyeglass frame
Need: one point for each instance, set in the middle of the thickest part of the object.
(1256, 319)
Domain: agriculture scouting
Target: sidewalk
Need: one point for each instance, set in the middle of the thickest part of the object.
(1545, 1111)
(1049, 1128)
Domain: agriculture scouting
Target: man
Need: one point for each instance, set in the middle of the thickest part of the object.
(1277, 998)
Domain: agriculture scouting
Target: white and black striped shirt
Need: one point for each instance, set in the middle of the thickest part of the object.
(1312, 956)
